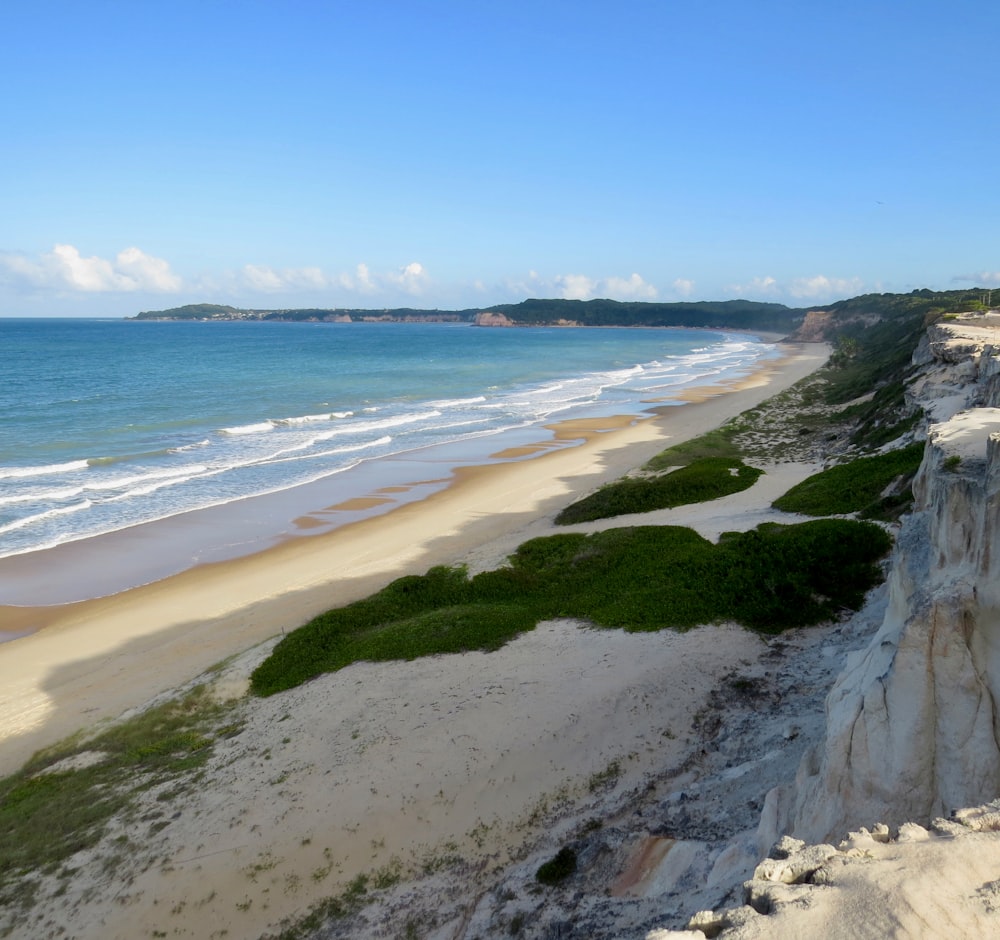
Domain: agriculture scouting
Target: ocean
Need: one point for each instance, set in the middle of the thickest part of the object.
(106, 424)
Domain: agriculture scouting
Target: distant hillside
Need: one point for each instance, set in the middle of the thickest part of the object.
(729, 314)
(909, 312)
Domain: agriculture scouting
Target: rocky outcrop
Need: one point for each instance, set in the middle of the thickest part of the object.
(488, 318)
(936, 882)
(913, 723)
(822, 326)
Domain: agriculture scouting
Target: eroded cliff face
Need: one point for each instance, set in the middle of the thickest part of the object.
(913, 723)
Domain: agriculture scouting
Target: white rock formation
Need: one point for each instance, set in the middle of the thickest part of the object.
(937, 883)
(913, 723)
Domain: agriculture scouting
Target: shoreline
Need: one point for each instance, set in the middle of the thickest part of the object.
(95, 659)
(142, 553)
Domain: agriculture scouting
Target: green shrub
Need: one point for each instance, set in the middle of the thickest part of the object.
(715, 443)
(557, 869)
(636, 578)
(702, 480)
(852, 487)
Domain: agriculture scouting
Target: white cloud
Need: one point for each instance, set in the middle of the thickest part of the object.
(409, 279)
(263, 278)
(629, 288)
(412, 278)
(147, 272)
(65, 269)
(575, 286)
(683, 287)
(822, 287)
(582, 287)
(754, 288)
(816, 288)
(989, 278)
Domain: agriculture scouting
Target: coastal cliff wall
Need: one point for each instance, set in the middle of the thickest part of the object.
(913, 722)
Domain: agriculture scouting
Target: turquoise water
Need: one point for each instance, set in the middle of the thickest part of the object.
(105, 424)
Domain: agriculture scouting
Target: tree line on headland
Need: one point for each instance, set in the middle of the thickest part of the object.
(845, 317)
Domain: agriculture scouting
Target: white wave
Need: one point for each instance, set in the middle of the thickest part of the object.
(66, 492)
(257, 428)
(168, 473)
(186, 447)
(48, 514)
(312, 419)
(361, 427)
(14, 473)
(456, 402)
(336, 451)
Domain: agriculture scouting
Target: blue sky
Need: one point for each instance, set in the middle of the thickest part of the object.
(456, 154)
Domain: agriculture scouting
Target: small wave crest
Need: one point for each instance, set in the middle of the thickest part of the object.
(258, 427)
(16, 473)
(48, 514)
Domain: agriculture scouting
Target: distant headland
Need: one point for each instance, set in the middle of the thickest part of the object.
(812, 323)
(729, 314)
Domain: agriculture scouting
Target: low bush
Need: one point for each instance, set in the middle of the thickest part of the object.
(557, 869)
(702, 480)
(854, 487)
(635, 578)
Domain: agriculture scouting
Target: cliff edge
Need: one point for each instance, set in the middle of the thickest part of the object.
(912, 723)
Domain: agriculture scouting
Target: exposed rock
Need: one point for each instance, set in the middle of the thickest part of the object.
(488, 318)
(912, 722)
(935, 885)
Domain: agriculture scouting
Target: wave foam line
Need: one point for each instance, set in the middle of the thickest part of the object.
(48, 514)
(15, 473)
(312, 419)
(240, 429)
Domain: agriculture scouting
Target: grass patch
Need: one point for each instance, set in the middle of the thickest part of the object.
(701, 480)
(48, 814)
(636, 578)
(857, 486)
(717, 443)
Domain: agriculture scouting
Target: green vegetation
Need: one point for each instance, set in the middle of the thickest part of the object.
(699, 481)
(558, 868)
(717, 444)
(47, 813)
(729, 314)
(641, 578)
(857, 486)
(876, 335)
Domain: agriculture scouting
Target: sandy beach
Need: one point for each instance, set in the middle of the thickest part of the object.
(95, 659)
(451, 745)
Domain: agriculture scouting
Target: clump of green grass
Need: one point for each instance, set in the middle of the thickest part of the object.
(704, 479)
(716, 443)
(47, 815)
(636, 578)
(558, 868)
(856, 486)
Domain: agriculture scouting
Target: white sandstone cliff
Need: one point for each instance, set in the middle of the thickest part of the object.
(913, 723)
